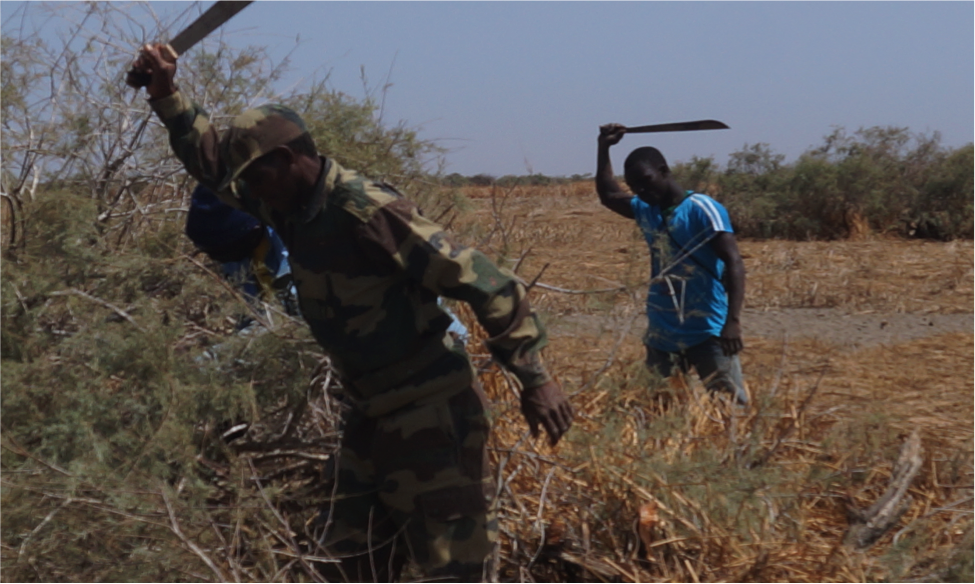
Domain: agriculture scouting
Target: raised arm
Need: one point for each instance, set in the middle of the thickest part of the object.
(193, 139)
(611, 195)
(726, 248)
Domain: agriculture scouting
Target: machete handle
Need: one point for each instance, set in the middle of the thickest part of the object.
(137, 79)
(607, 129)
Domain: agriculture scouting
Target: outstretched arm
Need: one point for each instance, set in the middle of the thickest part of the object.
(397, 232)
(611, 195)
(726, 248)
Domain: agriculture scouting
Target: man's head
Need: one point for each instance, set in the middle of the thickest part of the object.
(647, 174)
(270, 149)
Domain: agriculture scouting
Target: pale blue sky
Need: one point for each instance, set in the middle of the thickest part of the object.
(511, 85)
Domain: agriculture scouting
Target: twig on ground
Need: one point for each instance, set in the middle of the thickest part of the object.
(568, 291)
(535, 279)
(40, 526)
(284, 523)
(99, 301)
(538, 517)
(521, 258)
(19, 450)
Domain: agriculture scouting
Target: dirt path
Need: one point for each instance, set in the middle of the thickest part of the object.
(852, 330)
(835, 326)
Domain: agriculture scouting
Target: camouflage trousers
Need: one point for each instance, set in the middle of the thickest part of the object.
(414, 485)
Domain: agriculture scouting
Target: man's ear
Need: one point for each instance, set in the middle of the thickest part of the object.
(284, 155)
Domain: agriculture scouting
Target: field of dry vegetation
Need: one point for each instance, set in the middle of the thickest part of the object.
(120, 460)
(657, 483)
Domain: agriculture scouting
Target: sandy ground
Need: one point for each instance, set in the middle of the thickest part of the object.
(852, 330)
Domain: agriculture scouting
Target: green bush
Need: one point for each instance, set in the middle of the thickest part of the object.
(880, 180)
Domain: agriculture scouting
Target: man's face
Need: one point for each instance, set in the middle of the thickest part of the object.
(271, 181)
(647, 183)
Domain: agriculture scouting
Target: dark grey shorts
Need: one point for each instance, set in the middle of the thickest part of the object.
(717, 371)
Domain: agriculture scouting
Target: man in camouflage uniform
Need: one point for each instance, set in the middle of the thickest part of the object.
(413, 478)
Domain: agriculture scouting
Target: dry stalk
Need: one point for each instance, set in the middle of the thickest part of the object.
(610, 359)
(790, 427)
(175, 528)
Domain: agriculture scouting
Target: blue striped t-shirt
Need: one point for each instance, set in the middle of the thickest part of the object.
(687, 303)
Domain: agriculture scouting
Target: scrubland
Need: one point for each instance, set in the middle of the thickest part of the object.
(142, 439)
(766, 494)
(125, 394)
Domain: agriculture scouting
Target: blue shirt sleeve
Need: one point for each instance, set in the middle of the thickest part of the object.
(643, 213)
(708, 216)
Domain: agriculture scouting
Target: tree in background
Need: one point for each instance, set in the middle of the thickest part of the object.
(92, 134)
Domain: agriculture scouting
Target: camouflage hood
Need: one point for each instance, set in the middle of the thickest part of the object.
(253, 134)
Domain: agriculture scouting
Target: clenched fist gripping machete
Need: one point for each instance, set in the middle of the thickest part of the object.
(209, 21)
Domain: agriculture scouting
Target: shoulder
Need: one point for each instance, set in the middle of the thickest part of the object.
(646, 215)
(363, 198)
(704, 209)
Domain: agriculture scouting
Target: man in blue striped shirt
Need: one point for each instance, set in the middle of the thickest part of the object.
(697, 285)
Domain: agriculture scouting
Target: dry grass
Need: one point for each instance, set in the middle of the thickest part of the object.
(757, 495)
(655, 482)
(587, 247)
(761, 495)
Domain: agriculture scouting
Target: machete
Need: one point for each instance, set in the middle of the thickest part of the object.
(679, 127)
(209, 21)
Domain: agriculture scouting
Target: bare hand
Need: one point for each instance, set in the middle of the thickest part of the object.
(548, 406)
(610, 134)
(730, 339)
(158, 63)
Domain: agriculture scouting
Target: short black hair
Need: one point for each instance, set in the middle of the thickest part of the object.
(647, 155)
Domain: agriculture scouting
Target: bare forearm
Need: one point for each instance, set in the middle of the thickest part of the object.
(605, 181)
(610, 193)
(735, 287)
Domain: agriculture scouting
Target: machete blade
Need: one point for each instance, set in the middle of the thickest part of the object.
(208, 22)
(679, 127)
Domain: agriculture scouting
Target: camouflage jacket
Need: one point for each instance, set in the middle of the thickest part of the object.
(368, 268)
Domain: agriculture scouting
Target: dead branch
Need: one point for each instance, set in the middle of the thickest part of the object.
(40, 526)
(521, 258)
(868, 526)
(610, 359)
(568, 291)
(534, 281)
